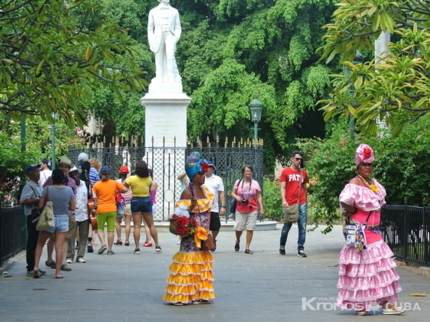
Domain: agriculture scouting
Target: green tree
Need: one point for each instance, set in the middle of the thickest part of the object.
(50, 61)
(395, 90)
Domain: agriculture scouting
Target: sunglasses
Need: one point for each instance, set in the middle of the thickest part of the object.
(366, 164)
(298, 159)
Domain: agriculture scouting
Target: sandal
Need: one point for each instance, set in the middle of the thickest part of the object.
(118, 242)
(127, 243)
(37, 274)
(248, 251)
(236, 247)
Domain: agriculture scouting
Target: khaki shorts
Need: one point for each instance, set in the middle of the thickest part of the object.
(246, 221)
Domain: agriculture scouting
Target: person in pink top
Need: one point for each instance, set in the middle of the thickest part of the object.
(367, 274)
(247, 193)
(124, 172)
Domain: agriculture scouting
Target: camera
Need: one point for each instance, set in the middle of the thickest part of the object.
(245, 201)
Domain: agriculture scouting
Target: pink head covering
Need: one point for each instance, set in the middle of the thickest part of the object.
(364, 153)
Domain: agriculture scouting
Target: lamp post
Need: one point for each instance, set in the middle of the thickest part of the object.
(358, 59)
(256, 107)
(55, 117)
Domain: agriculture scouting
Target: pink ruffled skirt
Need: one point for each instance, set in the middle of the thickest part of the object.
(367, 278)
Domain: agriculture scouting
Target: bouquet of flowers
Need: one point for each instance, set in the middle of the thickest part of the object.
(184, 226)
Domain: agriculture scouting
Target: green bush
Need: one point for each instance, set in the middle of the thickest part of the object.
(272, 198)
(400, 166)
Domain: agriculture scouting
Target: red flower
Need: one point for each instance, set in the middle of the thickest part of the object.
(185, 226)
(205, 166)
(367, 153)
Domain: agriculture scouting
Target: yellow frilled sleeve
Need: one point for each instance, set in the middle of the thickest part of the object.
(204, 204)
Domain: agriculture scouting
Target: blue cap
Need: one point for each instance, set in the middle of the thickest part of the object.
(105, 170)
(31, 168)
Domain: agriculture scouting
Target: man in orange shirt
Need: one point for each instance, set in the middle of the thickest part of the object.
(293, 189)
(105, 199)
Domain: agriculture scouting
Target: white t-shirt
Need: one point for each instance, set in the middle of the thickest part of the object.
(81, 212)
(44, 174)
(215, 185)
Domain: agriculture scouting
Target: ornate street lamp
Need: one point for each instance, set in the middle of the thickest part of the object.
(256, 107)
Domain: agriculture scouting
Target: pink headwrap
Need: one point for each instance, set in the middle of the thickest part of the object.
(364, 153)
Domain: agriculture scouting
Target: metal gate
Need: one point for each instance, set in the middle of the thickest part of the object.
(168, 162)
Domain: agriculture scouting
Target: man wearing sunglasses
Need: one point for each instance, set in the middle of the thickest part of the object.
(293, 190)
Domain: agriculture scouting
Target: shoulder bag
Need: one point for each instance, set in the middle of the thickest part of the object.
(354, 234)
(47, 219)
(291, 212)
(234, 202)
(35, 211)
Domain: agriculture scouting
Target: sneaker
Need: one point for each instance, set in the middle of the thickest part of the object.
(282, 250)
(50, 264)
(80, 260)
(158, 249)
(66, 268)
(147, 244)
(137, 251)
(69, 260)
(301, 253)
(90, 249)
(102, 249)
(111, 252)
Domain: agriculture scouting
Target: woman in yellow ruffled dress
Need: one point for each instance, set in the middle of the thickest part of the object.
(190, 280)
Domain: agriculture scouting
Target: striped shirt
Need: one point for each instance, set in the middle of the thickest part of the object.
(94, 176)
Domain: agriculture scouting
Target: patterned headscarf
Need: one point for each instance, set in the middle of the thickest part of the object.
(364, 153)
(195, 164)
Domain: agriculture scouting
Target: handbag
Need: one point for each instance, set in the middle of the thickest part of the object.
(208, 244)
(291, 213)
(354, 234)
(47, 219)
(172, 226)
(120, 204)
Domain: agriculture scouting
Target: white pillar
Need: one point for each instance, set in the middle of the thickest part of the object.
(381, 45)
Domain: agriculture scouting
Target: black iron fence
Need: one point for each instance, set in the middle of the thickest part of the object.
(406, 229)
(13, 231)
(168, 162)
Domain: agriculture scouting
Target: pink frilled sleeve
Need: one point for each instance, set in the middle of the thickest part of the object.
(362, 197)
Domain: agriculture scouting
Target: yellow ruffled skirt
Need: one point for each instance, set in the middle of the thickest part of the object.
(190, 278)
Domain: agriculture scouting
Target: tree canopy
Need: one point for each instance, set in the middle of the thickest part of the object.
(50, 59)
(395, 89)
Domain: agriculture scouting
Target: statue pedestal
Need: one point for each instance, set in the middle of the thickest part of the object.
(165, 115)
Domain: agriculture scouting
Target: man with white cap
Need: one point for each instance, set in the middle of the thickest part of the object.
(82, 157)
(64, 164)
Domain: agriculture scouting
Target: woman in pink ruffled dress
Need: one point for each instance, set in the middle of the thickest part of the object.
(367, 274)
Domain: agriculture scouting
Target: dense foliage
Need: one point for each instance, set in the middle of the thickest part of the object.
(400, 164)
(394, 90)
(229, 52)
(50, 60)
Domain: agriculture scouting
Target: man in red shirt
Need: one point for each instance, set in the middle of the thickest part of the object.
(293, 188)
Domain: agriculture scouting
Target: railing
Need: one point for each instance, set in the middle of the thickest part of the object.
(406, 229)
(13, 231)
(168, 162)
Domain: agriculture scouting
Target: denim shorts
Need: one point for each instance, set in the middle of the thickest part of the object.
(141, 204)
(61, 224)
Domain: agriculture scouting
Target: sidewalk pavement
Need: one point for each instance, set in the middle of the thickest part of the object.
(265, 286)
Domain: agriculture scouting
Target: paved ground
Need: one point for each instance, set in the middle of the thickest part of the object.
(261, 287)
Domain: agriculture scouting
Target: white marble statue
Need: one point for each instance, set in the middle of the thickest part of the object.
(164, 31)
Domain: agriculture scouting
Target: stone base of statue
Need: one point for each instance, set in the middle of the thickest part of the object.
(165, 115)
